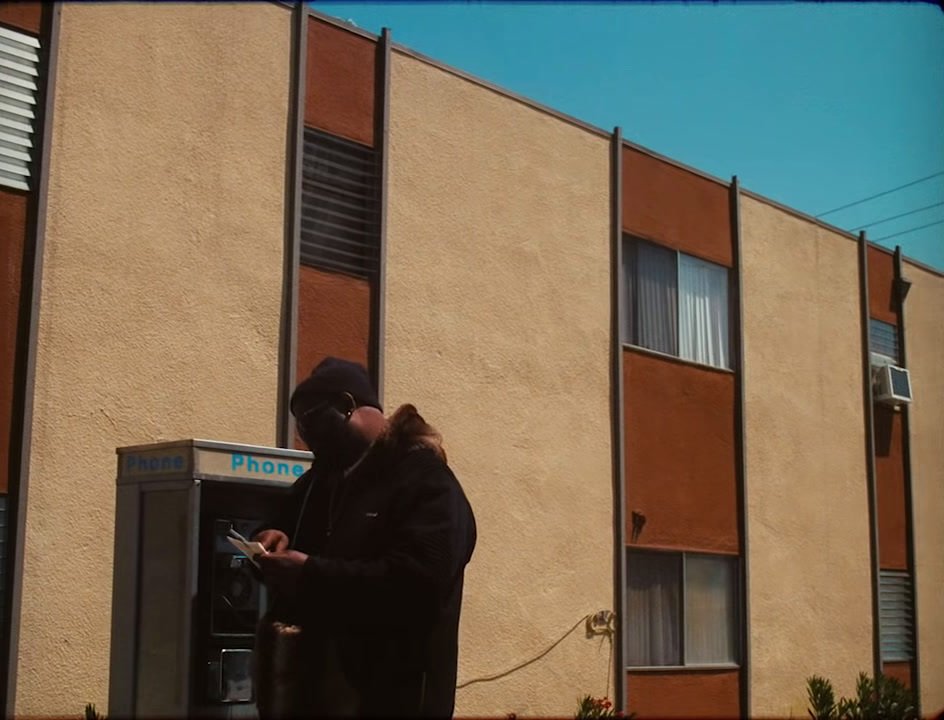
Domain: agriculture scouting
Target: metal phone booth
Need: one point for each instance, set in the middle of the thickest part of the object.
(185, 602)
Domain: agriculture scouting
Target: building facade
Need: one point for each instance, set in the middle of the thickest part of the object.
(658, 388)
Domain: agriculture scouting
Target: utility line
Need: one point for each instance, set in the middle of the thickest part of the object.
(872, 197)
(895, 217)
(905, 232)
(525, 663)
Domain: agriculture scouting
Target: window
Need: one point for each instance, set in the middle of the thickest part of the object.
(340, 225)
(883, 341)
(19, 63)
(896, 622)
(681, 609)
(675, 304)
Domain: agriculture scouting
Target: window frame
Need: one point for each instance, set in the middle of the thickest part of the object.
(630, 245)
(737, 562)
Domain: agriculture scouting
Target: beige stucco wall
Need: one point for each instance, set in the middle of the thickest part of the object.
(497, 327)
(807, 497)
(161, 291)
(924, 337)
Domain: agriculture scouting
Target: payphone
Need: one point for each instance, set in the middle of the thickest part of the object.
(185, 602)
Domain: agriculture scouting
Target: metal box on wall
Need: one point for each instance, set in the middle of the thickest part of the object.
(185, 603)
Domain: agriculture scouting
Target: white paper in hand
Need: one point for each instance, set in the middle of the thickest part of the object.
(247, 548)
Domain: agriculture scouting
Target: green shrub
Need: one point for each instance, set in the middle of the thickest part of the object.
(822, 699)
(884, 698)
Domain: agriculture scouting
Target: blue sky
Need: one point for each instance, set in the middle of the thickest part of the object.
(812, 105)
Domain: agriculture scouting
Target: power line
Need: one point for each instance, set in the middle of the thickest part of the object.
(900, 187)
(905, 232)
(895, 217)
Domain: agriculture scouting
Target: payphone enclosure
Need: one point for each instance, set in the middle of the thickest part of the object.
(185, 602)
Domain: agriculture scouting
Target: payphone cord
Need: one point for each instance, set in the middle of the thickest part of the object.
(293, 541)
(298, 523)
(338, 488)
(236, 611)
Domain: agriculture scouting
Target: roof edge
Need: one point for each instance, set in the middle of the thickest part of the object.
(577, 122)
(798, 213)
(677, 163)
(838, 230)
(533, 104)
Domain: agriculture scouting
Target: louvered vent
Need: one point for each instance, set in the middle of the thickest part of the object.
(884, 339)
(340, 218)
(895, 618)
(19, 87)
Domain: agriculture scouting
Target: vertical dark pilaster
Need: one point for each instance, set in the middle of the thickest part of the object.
(901, 290)
(381, 143)
(285, 424)
(25, 363)
(869, 413)
(744, 627)
(616, 404)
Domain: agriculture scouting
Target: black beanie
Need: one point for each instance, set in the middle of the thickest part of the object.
(334, 375)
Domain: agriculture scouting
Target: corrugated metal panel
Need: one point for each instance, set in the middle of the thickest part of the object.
(883, 338)
(340, 213)
(19, 86)
(895, 618)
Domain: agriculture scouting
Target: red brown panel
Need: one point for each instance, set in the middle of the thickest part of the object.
(890, 487)
(23, 15)
(13, 207)
(680, 454)
(677, 208)
(340, 82)
(333, 319)
(684, 694)
(898, 670)
(882, 286)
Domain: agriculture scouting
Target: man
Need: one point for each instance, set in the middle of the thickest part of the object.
(369, 556)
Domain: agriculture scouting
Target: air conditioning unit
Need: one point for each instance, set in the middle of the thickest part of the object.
(891, 385)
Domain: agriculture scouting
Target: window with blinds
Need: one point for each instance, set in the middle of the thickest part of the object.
(896, 622)
(19, 89)
(883, 340)
(340, 213)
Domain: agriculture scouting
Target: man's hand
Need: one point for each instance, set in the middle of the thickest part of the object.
(272, 540)
(281, 570)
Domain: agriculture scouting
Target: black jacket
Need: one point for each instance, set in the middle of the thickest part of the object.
(380, 595)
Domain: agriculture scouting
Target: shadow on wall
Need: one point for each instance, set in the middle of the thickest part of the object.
(884, 420)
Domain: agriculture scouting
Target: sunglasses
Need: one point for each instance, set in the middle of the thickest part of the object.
(344, 404)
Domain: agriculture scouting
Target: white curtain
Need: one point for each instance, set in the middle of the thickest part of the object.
(657, 298)
(710, 610)
(653, 604)
(703, 311)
